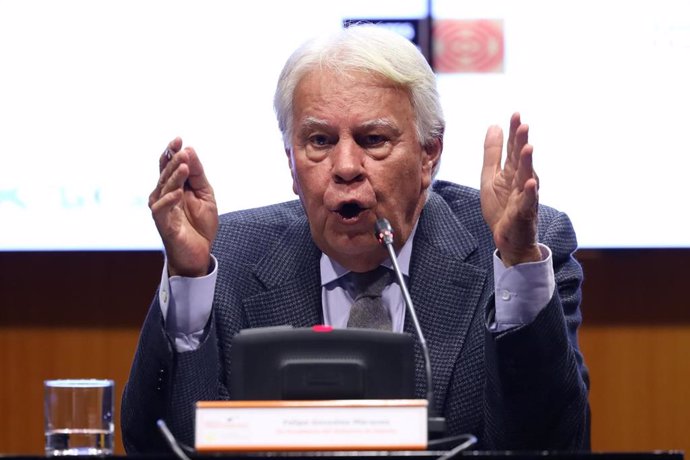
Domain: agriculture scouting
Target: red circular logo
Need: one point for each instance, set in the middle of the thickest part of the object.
(468, 45)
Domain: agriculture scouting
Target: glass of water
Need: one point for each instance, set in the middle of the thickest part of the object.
(78, 417)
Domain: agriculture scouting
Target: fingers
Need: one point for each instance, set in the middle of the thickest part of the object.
(525, 169)
(181, 171)
(518, 137)
(173, 176)
(525, 179)
(518, 165)
(170, 150)
(196, 179)
(527, 182)
(514, 124)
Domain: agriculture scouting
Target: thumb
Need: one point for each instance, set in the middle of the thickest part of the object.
(493, 148)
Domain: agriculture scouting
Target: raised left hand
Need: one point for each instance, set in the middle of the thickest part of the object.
(509, 194)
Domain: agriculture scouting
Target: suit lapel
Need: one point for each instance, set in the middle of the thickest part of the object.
(292, 280)
(445, 288)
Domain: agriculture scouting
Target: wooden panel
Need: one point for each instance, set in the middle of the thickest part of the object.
(636, 342)
(34, 354)
(640, 393)
(66, 315)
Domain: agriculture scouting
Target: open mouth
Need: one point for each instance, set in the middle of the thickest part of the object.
(350, 210)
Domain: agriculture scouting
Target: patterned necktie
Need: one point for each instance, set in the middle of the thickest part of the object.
(368, 310)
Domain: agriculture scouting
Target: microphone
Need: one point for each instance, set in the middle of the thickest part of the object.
(384, 234)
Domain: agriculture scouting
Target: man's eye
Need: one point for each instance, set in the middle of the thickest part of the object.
(318, 140)
(372, 140)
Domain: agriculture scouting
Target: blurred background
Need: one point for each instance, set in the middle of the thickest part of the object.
(91, 91)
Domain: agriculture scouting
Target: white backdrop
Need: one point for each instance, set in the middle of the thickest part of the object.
(91, 91)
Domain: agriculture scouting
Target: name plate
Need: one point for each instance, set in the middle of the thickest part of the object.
(250, 426)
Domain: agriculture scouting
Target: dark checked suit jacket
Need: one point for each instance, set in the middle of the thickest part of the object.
(521, 389)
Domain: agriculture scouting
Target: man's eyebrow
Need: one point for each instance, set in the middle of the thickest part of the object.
(380, 123)
(312, 123)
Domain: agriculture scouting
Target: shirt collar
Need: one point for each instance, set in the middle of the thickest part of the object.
(332, 270)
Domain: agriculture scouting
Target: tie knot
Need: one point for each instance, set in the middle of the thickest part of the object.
(371, 283)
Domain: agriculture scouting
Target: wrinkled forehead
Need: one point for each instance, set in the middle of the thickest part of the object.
(327, 89)
(350, 100)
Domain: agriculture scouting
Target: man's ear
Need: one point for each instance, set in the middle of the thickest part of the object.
(432, 159)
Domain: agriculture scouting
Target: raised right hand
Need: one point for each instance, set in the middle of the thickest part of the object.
(184, 209)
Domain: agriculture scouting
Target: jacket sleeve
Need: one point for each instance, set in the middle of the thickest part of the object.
(536, 391)
(165, 384)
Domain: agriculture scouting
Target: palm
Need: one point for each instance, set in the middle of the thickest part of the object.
(509, 194)
(191, 228)
(185, 212)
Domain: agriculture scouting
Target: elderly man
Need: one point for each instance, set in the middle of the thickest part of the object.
(491, 272)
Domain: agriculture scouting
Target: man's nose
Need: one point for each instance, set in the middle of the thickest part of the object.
(348, 161)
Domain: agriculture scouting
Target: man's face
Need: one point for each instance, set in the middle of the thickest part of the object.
(356, 158)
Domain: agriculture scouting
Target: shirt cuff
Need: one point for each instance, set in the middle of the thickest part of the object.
(186, 302)
(522, 290)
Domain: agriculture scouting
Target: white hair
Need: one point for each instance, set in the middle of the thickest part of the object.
(374, 50)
